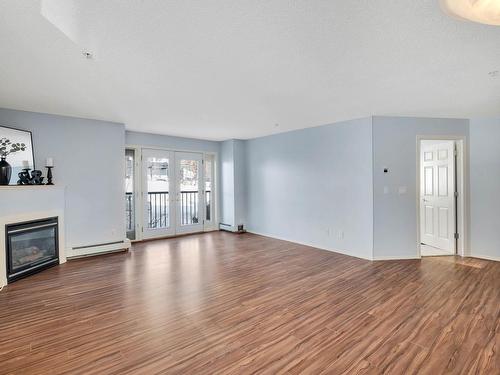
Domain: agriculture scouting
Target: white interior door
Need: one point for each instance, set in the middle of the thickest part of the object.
(437, 197)
(157, 172)
(190, 192)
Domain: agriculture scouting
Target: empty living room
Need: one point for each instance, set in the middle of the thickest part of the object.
(249, 187)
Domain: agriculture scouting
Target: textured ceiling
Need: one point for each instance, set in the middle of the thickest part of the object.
(218, 69)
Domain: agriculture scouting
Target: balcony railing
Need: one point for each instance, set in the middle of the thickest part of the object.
(158, 209)
(129, 205)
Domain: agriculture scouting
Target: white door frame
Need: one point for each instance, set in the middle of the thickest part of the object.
(138, 187)
(462, 208)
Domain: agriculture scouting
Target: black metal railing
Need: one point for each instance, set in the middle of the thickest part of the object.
(189, 207)
(158, 208)
(208, 202)
(129, 205)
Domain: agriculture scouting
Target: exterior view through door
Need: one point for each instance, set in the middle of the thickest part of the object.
(177, 193)
(437, 197)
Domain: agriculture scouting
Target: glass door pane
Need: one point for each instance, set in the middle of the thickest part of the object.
(157, 192)
(209, 189)
(190, 207)
(129, 193)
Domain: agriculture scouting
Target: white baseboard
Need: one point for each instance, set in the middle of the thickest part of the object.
(396, 257)
(308, 244)
(485, 257)
(98, 249)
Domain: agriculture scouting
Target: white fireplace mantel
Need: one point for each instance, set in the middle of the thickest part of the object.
(25, 203)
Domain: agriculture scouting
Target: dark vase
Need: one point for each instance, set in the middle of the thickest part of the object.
(5, 171)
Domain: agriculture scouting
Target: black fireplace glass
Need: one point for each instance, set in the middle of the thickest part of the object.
(31, 246)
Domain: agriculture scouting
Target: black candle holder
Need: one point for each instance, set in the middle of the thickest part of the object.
(49, 175)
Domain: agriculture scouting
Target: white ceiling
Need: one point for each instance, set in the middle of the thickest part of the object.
(219, 69)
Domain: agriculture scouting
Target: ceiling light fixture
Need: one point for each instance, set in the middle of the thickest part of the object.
(482, 11)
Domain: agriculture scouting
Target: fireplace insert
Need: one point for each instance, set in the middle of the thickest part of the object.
(31, 246)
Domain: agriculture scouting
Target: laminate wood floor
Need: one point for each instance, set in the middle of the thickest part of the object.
(222, 303)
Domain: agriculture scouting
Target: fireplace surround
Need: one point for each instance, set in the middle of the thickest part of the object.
(31, 246)
(24, 204)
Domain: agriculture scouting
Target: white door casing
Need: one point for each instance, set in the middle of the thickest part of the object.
(437, 195)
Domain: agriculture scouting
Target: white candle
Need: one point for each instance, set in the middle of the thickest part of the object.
(26, 164)
(49, 162)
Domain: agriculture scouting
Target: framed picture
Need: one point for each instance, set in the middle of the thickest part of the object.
(16, 159)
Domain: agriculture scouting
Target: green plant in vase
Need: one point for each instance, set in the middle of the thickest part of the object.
(7, 147)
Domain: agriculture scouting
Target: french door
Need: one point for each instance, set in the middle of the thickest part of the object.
(157, 192)
(190, 192)
(177, 192)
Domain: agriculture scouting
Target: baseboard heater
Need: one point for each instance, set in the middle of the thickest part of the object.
(230, 228)
(104, 248)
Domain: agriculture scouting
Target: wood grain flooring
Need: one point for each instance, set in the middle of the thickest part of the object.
(222, 303)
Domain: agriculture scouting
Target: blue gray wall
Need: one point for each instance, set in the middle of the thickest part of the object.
(88, 158)
(310, 185)
(485, 187)
(168, 142)
(395, 147)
